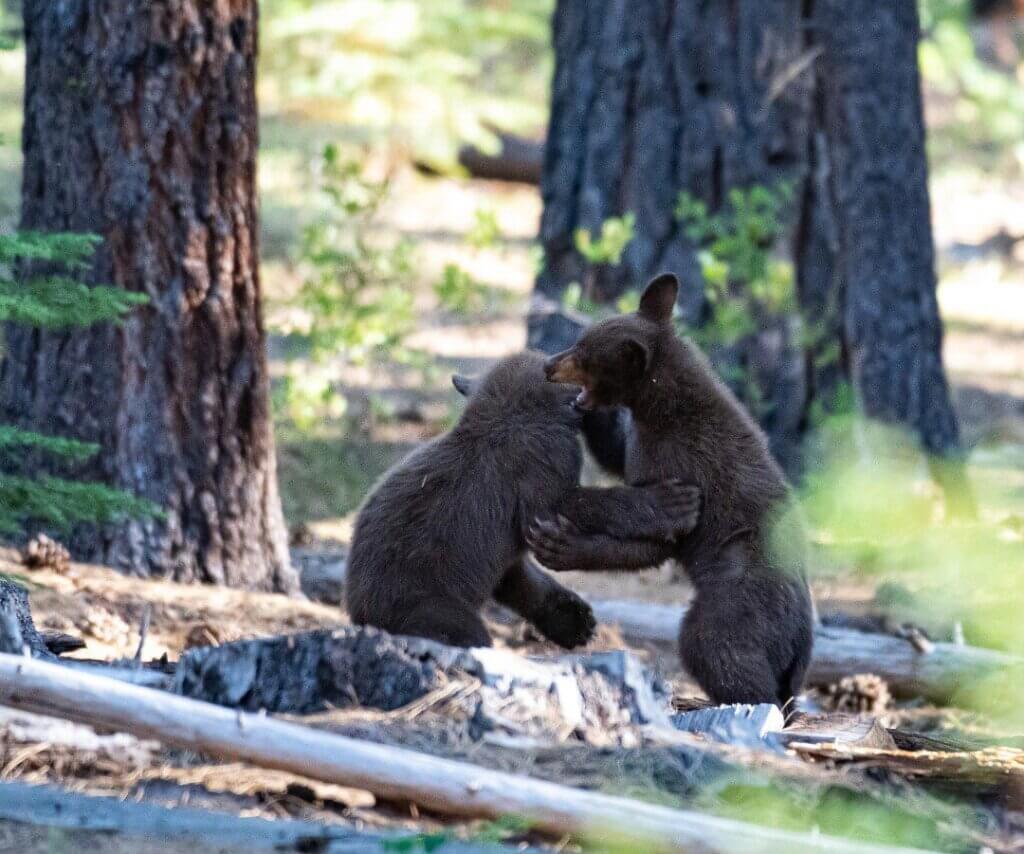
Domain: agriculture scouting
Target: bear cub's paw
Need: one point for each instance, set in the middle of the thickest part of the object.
(679, 504)
(558, 544)
(566, 619)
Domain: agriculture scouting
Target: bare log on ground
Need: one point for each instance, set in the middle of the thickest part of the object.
(448, 787)
(989, 770)
(939, 675)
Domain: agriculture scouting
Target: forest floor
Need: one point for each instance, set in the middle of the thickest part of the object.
(326, 470)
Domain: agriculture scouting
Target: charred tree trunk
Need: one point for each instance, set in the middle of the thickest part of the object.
(882, 253)
(661, 96)
(141, 126)
(653, 98)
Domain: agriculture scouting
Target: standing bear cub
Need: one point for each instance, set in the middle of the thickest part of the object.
(445, 530)
(747, 635)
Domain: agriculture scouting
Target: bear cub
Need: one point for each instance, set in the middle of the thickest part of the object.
(747, 635)
(445, 529)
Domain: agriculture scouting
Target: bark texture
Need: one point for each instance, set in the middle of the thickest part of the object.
(882, 254)
(141, 125)
(658, 96)
(654, 97)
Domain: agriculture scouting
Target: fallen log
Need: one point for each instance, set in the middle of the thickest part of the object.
(939, 675)
(446, 786)
(980, 771)
(518, 160)
(47, 806)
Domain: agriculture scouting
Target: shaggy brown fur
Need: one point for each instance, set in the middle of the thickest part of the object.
(445, 529)
(747, 635)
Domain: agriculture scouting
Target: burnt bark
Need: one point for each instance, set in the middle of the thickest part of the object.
(880, 252)
(655, 97)
(660, 96)
(141, 126)
(17, 630)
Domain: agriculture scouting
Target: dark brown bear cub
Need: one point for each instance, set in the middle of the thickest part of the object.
(748, 633)
(445, 529)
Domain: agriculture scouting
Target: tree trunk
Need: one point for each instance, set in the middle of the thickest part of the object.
(655, 97)
(881, 251)
(659, 96)
(141, 126)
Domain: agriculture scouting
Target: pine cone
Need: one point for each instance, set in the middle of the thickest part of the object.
(860, 693)
(44, 553)
(301, 535)
(209, 634)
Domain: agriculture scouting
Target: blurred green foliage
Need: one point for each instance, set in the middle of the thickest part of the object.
(459, 292)
(983, 105)
(608, 246)
(427, 75)
(743, 282)
(355, 292)
(876, 511)
(911, 821)
(574, 299)
(485, 233)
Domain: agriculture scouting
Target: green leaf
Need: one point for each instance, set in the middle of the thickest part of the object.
(616, 235)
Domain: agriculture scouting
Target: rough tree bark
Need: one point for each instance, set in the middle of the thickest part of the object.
(140, 125)
(658, 96)
(879, 252)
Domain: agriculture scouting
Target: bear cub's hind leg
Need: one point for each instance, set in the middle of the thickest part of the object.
(447, 621)
(559, 614)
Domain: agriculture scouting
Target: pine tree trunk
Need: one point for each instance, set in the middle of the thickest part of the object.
(878, 265)
(141, 126)
(657, 96)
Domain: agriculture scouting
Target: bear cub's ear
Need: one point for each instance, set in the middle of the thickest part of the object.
(659, 298)
(463, 385)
